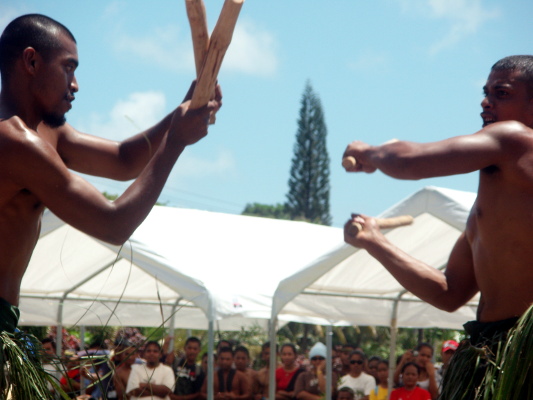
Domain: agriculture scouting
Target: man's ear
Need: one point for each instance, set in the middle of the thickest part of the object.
(31, 59)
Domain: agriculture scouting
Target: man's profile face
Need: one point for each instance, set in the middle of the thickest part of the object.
(506, 99)
(54, 82)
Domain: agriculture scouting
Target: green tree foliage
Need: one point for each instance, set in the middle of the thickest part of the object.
(308, 196)
(277, 211)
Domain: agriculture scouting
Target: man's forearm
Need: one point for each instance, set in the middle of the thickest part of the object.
(136, 152)
(161, 390)
(420, 279)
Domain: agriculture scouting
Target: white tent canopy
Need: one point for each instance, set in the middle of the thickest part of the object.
(347, 285)
(215, 267)
(236, 270)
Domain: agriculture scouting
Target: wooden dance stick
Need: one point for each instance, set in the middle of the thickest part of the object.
(350, 162)
(383, 223)
(200, 34)
(218, 44)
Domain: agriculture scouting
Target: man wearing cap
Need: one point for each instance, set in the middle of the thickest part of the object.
(448, 350)
(311, 385)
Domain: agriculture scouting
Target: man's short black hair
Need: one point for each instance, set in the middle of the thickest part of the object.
(521, 63)
(193, 339)
(242, 349)
(358, 353)
(30, 30)
(152, 343)
(225, 349)
(49, 340)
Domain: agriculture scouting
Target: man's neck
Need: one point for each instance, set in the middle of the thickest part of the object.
(9, 107)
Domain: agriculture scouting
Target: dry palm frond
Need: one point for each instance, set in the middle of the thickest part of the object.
(516, 361)
(22, 376)
(459, 382)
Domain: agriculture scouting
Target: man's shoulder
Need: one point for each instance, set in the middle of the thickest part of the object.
(240, 374)
(164, 367)
(137, 367)
(16, 138)
(508, 131)
(366, 377)
(13, 130)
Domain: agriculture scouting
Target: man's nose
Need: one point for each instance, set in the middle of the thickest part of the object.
(486, 103)
(74, 85)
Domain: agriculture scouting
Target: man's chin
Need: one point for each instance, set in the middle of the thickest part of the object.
(54, 121)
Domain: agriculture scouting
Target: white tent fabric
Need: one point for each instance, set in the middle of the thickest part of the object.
(347, 285)
(219, 267)
(229, 266)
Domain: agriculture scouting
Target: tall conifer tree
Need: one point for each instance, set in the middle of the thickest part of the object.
(308, 196)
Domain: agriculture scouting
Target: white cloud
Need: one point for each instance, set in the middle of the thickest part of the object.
(138, 112)
(252, 51)
(190, 165)
(164, 48)
(465, 17)
(142, 110)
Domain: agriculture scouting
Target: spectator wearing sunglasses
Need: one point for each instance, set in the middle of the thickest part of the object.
(311, 385)
(359, 381)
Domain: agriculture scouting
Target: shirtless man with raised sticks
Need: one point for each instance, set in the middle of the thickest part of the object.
(494, 255)
(38, 60)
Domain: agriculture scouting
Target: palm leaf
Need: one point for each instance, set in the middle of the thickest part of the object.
(22, 375)
(515, 380)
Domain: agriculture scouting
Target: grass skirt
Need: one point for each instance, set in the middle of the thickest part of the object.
(23, 376)
(498, 368)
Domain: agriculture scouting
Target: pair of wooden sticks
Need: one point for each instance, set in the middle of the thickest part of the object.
(209, 51)
(208, 55)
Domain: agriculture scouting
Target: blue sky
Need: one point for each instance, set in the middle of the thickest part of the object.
(383, 69)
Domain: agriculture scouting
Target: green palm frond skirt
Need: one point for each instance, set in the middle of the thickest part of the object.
(22, 376)
(495, 363)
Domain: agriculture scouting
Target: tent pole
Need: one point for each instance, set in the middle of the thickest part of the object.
(272, 363)
(393, 340)
(329, 362)
(82, 363)
(210, 349)
(171, 324)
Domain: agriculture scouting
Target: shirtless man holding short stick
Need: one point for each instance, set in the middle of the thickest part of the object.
(494, 255)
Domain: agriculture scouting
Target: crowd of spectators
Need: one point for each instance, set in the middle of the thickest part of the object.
(151, 371)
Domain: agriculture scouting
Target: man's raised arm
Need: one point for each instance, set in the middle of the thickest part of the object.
(121, 161)
(80, 204)
(456, 155)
